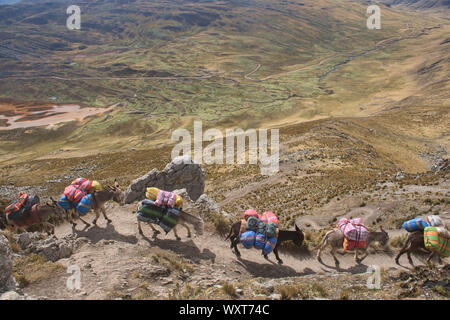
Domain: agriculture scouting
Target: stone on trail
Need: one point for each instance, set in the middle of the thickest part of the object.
(182, 172)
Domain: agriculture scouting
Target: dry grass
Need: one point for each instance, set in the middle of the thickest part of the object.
(229, 289)
(398, 241)
(302, 291)
(33, 269)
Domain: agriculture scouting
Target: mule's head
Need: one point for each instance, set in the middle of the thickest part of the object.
(118, 194)
(384, 240)
(299, 236)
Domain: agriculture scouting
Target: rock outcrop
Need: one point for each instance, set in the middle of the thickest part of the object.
(182, 172)
(7, 281)
(203, 206)
(52, 249)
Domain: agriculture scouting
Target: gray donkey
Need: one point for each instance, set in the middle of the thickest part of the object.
(43, 211)
(335, 239)
(184, 219)
(98, 205)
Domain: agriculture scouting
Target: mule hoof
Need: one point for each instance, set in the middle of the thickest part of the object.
(280, 261)
(178, 238)
(109, 220)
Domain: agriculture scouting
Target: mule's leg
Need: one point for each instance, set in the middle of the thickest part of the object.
(366, 253)
(104, 215)
(188, 230)
(72, 217)
(232, 238)
(406, 248)
(275, 251)
(175, 233)
(87, 224)
(155, 231)
(139, 227)
(432, 254)
(336, 261)
(319, 252)
(234, 245)
(97, 215)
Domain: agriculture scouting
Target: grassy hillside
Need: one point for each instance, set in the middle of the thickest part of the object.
(230, 63)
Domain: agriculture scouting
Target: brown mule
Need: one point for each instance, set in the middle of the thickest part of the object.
(283, 235)
(43, 212)
(99, 200)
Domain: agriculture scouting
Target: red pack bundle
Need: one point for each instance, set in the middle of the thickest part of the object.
(250, 213)
(352, 244)
(353, 229)
(78, 189)
(268, 217)
(17, 204)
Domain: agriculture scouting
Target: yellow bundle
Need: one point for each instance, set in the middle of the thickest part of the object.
(96, 186)
(152, 194)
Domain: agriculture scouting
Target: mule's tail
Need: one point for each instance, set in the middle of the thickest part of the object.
(229, 235)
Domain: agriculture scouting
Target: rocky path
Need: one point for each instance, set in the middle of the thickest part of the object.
(114, 255)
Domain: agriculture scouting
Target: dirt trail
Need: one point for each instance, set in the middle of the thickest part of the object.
(116, 251)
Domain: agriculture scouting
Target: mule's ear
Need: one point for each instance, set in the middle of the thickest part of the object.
(116, 183)
(296, 227)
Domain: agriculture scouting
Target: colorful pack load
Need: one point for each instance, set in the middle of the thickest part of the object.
(19, 210)
(436, 240)
(435, 221)
(165, 217)
(29, 219)
(85, 205)
(355, 233)
(250, 213)
(170, 219)
(17, 203)
(352, 244)
(270, 245)
(252, 224)
(148, 211)
(417, 224)
(259, 231)
(164, 198)
(260, 241)
(271, 221)
(64, 203)
(353, 229)
(78, 189)
(248, 239)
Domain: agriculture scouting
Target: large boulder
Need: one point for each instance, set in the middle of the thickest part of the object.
(182, 172)
(7, 281)
(52, 249)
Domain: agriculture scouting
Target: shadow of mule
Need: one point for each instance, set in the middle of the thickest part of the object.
(187, 249)
(96, 234)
